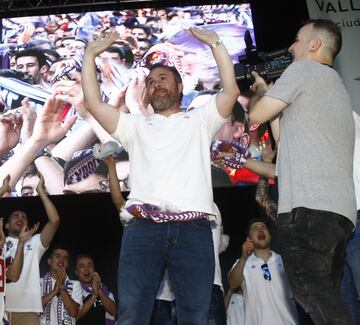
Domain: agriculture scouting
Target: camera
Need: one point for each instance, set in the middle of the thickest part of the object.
(269, 65)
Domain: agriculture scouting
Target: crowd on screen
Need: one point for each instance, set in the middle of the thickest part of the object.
(42, 56)
(54, 136)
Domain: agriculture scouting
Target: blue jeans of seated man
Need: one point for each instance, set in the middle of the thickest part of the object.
(147, 248)
(313, 244)
(350, 285)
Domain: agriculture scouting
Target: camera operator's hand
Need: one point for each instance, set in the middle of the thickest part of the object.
(259, 87)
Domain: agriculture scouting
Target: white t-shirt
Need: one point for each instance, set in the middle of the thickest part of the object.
(2, 282)
(235, 311)
(24, 295)
(76, 295)
(267, 302)
(169, 157)
(356, 170)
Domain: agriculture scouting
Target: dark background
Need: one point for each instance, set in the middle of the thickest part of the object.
(90, 223)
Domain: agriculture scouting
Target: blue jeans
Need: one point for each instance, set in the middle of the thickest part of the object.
(164, 311)
(313, 246)
(350, 285)
(217, 315)
(147, 248)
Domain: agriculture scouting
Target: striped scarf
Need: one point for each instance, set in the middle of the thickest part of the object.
(152, 212)
(63, 317)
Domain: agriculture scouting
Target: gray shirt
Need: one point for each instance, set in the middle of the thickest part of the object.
(315, 160)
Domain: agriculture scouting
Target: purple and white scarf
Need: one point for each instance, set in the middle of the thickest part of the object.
(63, 317)
(109, 320)
(153, 212)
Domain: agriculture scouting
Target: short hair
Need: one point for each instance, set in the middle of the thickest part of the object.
(333, 31)
(10, 215)
(50, 52)
(59, 246)
(124, 52)
(174, 71)
(254, 220)
(145, 28)
(30, 171)
(79, 256)
(35, 52)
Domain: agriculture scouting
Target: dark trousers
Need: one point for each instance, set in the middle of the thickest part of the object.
(185, 249)
(165, 311)
(313, 245)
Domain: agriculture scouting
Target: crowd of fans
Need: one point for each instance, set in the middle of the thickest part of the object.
(42, 57)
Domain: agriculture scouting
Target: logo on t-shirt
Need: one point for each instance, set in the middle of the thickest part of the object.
(28, 247)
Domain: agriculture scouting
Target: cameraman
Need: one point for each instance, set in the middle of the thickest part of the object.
(317, 209)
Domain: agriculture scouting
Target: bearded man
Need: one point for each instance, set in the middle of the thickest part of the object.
(170, 206)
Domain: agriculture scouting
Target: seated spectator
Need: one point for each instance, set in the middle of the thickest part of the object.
(61, 297)
(99, 305)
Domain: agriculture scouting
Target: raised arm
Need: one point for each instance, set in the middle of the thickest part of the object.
(5, 188)
(262, 168)
(226, 99)
(14, 270)
(114, 185)
(263, 108)
(70, 304)
(105, 114)
(48, 129)
(236, 275)
(53, 223)
(108, 304)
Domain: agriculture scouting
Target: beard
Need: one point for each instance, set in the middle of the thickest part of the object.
(163, 99)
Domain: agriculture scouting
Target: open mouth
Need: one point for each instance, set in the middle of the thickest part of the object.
(261, 237)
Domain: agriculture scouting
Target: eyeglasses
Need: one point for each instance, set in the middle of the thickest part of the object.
(266, 272)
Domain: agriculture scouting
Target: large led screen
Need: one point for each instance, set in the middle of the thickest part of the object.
(42, 55)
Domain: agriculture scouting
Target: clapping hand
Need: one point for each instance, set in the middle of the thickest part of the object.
(26, 233)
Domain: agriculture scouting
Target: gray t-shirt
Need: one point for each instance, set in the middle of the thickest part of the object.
(315, 160)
